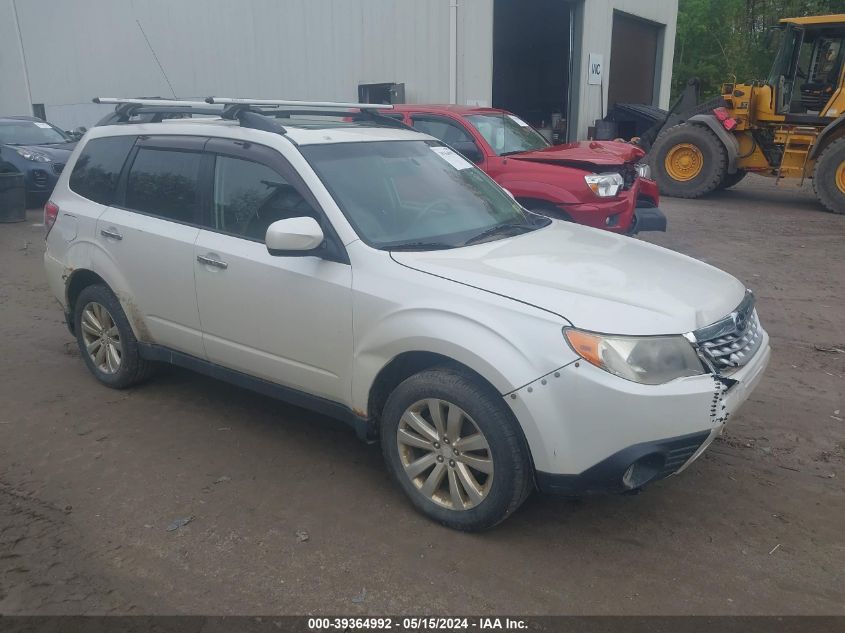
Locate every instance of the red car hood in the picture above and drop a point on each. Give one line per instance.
(585, 153)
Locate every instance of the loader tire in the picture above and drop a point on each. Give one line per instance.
(829, 177)
(688, 161)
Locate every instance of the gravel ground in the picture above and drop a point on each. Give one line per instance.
(90, 479)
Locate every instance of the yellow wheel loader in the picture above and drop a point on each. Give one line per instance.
(789, 126)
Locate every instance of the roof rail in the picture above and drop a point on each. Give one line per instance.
(296, 104)
(243, 109)
(249, 113)
(151, 101)
(151, 110)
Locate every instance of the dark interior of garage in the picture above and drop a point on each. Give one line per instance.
(531, 62)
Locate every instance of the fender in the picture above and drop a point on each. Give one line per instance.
(461, 338)
(728, 140)
(829, 133)
(551, 193)
(507, 363)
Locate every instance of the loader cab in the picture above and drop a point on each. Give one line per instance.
(807, 72)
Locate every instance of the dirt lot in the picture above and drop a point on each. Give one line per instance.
(90, 478)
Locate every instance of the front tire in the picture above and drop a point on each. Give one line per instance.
(455, 449)
(829, 177)
(688, 161)
(106, 341)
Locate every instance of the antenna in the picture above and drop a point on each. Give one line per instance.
(155, 57)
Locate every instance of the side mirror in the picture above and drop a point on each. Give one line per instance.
(294, 236)
(77, 132)
(468, 150)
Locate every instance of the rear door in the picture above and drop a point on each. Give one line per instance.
(285, 319)
(149, 233)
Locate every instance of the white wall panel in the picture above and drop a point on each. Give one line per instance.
(297, 49)
(14, 99)
(596, 36)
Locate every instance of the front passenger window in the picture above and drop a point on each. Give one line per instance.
(249, 197)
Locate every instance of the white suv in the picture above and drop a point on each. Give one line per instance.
(367, 271)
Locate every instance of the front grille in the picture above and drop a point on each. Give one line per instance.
(732, 341)
(58, 167)
(629, 175)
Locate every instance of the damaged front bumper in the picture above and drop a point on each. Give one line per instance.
(590, 431)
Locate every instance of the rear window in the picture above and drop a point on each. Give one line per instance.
(97, 170)
(165, 183)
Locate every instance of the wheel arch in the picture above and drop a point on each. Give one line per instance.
(81, 278)
(728, 140)
(831, 132)
(76, 282)
(405, 365)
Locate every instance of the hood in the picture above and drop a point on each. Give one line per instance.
(594, 279)
(59, 152)
(589, 154)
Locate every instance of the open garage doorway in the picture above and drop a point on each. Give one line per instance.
(634, 60)
(532, 53)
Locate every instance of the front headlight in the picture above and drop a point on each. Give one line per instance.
(29, 154)
(650, 360)
(605, 185)
(643, 170)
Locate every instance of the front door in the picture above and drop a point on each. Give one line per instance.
(284, 319)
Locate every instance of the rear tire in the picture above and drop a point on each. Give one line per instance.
(829, 177)
(488, 477)
(106, 341)
(688, 161)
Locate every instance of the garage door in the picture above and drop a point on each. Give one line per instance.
(633, 60)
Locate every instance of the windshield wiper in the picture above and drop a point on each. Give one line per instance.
(420, 246)
(499, 228)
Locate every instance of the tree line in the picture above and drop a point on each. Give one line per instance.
(717, 39)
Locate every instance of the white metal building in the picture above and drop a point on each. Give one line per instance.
(531, 56)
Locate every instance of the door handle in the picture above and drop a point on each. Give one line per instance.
(111, 234)
(212, 262)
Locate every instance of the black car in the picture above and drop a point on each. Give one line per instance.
(38, 150)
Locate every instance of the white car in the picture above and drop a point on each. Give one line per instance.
(370, 273)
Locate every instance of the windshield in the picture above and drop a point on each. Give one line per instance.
(419, 195)
(506, 133)
(30, 133)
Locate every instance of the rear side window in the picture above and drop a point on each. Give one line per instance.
(98, 167)
(165, 183)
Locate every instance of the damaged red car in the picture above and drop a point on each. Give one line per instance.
(598, 183)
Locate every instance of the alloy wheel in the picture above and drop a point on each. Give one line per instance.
(101, 338)
(444, 454)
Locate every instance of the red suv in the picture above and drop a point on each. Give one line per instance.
(597, 183)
